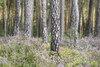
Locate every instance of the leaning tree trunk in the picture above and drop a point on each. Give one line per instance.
(17, 7)
(97, 24)
(55, 25)
(4, 17)
(28, 17)
(77, 21)
(44, 25)
(62, 20)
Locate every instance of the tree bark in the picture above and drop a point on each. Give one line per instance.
(44, 25)
(17, 7)
(28, 18)
(88, 24)
(55, 25)
(8, 17)
(4, 16)
(21, 20)
(76, 22)
(97, 23)
(62, 20)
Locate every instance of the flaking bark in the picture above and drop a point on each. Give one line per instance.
(55, 25)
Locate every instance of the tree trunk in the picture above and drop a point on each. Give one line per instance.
(65, 19)
(17, 7)
(28, 18)
(8, 17)
(88, 25)
(21, 20)
(62, 20)
(44, 25)
(71, 25)
(77, 21)
(4, 16)
(97, 24)
(72, 18)
(55, 25)
(37, 22)
(40, 17)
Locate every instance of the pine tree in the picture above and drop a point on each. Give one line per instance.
(28, 17)
(62, 20)
(97, 24)
(88, 25)
(44, 25)
(22, 10)
(4, 16)
(55, 25)
(17, 7)
(76, 22)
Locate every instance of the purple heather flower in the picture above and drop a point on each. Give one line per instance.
(60, 65)
(4, 44)
(48, 60)
(43, 57)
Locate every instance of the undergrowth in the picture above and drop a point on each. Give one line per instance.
(19, 52)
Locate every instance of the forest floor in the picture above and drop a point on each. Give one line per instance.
(17, 51)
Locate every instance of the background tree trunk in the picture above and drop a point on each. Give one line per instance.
(17, 7)
(88, 24)
(97, 24)
(28, 18)
(21, 20)
(62, 19)
(77, 21)
(44, 25)
(8, 17)
(72, 15)
(4, 16)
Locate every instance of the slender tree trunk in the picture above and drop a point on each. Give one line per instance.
(44, 25)
(66, 21)
(8, 18)
(21, 20)
(77, 21)
(72, 17)
(62, 20)
(97, 24)
(72, 21)
(28, 18)
(17, 7)
(13, 18)
(55, 25)
(69, 12)
(40, 17)
(4, 17)
(88, 25)
(83, 23)
(37, 22)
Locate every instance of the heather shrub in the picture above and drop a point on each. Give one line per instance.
(20, 52)
(17, 51)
